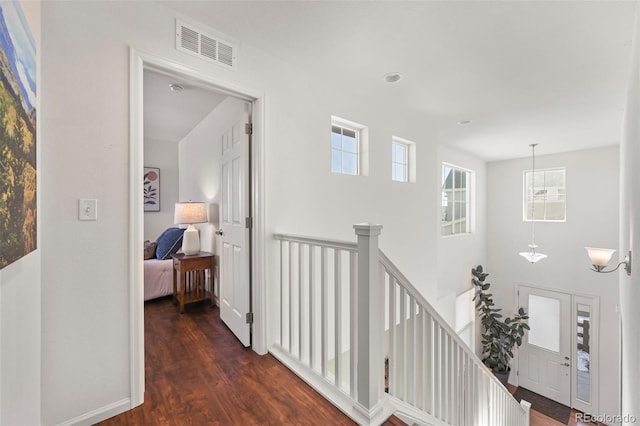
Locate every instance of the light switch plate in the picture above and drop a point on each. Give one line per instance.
(88, 209)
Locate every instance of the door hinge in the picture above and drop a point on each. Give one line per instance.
(249, 318)
(517, 372)
(248, 222)
(248, 128)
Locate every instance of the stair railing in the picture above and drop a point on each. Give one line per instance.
(346, 311)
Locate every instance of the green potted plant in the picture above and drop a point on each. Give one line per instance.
(498, 336)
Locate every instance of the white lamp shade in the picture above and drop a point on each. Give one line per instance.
(599, 256)
(190, 212)
(532, 256)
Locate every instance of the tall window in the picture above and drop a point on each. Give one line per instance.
(546, 202)
(399, 161)
(456, 195)
(345, 150)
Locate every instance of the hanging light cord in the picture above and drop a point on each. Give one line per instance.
(533, 196)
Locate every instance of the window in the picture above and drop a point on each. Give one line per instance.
(456, 195)
(399, 161)
(403, 160)
(349, 147)
(547, 201)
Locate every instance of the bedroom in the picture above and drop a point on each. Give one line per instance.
(184, 122)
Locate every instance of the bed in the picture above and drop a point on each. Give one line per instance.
(158, 264)
(158, 278)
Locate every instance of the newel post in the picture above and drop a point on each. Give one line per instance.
(370, 321)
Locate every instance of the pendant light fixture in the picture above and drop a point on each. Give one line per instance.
(531, 255)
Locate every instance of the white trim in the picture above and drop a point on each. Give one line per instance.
(99, 414)
(136, 230)
(138, 62)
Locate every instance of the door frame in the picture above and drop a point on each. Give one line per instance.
(138, 62)
(584, 298)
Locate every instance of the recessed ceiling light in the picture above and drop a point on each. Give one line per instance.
(176, 87)
(464, 122)
(392, 77)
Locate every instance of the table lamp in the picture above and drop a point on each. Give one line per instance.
(189, 213)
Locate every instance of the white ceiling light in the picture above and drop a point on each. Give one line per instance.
(531, 255)
(392, 77)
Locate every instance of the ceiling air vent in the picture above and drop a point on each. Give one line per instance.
(206, 46)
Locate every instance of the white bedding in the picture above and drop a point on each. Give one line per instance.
(158, 278)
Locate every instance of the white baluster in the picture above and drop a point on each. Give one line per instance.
(393, 339)
(353, 332)
(337, 270)
(300, 298)
(312, 307)
(324, 271)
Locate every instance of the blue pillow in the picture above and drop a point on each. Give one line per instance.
(169, 242)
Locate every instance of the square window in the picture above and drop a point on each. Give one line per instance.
(456, 200)
(544, 195)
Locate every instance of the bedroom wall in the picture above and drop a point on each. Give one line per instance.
(20, 297)
(162, 154)
(592, 220)
(85, 269)
(200, 157)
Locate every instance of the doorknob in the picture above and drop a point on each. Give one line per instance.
(566, 364)
(219, 232)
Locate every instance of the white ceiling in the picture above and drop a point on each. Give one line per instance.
(170, 115)
(554, 73)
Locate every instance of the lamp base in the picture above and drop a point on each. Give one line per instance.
(191, 241)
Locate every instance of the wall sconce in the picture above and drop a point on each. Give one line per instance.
(601, 256)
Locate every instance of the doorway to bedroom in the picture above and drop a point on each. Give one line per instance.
(243, 197)
(196, 149)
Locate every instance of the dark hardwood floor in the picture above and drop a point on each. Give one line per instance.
(198, 373)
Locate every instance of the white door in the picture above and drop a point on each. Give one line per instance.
(235, 287)
(544, 360)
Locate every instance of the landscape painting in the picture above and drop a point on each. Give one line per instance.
(18, 213)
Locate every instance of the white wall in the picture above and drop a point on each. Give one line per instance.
(164, 155)
(20, 297)
(200, 155)
(458, 254)
(592, 220)
(630, 237)
(85, 284)
(20, 341)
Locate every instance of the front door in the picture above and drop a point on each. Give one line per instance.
(235, 289)
(544, 360)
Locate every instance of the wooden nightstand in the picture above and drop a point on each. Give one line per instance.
(189, 278)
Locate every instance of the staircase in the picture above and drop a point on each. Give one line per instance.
(345, 309)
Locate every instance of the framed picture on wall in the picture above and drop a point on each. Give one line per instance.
(151, 191)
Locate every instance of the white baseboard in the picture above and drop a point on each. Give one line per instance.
(99, 414)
